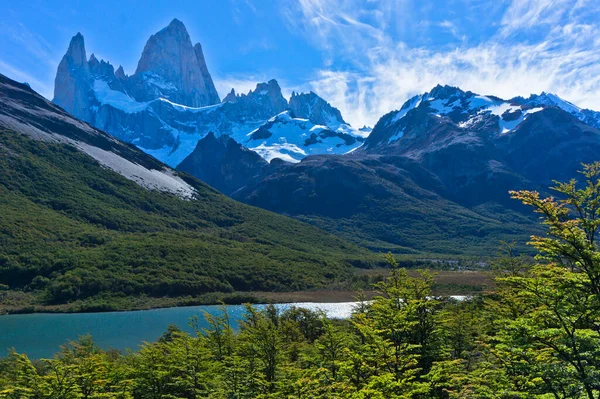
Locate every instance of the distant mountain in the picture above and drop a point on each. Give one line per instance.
(320, 112)
(87, 216)
(171, 102)
(434, 176)
(587, 116)
(289, 138)
(471, 140)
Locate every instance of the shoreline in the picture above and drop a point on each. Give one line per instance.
(257, 297)
(447, 283)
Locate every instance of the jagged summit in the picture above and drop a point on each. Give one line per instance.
(311, 106)
(170, 67)
(76, 50)
(175, 26)
(120, 73)
(231, 97)
(445, 91)
(267, 96)
(170, 103)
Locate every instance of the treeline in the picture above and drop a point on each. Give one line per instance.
(538, 336)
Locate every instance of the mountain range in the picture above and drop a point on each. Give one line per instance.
(430, 178)
(170, 102)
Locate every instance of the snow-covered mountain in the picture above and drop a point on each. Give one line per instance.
(311, 106)
(587, 116)
(289, 138)
(467, 111)
(170, 103)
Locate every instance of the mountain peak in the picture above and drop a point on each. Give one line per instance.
(71, 85)
(170, 67)
(175, 26)
(311, 106)
(271, 87)
(269, 94)
(549, 100)
(445, 91)
(213, 96)
(76, 51)
(231, 97)
(120, 73)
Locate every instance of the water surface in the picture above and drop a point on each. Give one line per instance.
(40, 335)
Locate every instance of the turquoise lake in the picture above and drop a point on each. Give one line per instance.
(40, 335)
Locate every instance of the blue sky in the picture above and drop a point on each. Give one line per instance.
(365, 57)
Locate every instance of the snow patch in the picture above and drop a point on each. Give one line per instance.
(287, 152)
(117, 99)
(396, 136)
(185, 108)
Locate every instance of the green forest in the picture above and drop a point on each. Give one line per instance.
(536, 336)
(73, 231)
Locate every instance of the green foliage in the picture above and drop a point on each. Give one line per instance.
(72, 230)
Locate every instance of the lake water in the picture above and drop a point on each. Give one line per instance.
(40, 335)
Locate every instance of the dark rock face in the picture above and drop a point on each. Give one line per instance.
(265, 98)
(213, 96)
(550, 145)
(311, 106)
(544, 99)
(223, 163)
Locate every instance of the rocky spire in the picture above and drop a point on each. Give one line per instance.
(170, 67)
(120, 73)
(231, 97)
(75, 55)
(72, 84)
(213, 96)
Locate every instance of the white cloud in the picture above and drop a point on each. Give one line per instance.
(561, 58)
(522, 14)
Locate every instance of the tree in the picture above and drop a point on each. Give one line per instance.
(553, 343)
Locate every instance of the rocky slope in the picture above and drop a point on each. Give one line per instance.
(224, 164)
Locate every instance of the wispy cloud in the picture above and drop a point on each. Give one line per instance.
(36, 45)
(526, 14)
(19, 75)
(538, 45)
